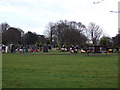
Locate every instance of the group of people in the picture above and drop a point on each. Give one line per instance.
(45, 48)
(72, 48)
(12, 48)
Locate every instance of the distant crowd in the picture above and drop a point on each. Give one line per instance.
(45, 48)
(34, 48)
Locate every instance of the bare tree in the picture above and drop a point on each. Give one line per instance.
(50, 31)
(94, 33)
(66, 32)
(4, 26)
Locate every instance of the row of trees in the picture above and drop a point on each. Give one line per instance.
(61, 32)
(12, 35)
(71, 32)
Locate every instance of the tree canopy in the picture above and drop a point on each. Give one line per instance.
(58, 33)
(66, 32)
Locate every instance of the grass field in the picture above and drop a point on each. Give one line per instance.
(59, 71)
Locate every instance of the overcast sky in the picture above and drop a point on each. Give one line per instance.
(34, 15)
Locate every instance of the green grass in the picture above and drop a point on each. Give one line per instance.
(59, 71)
